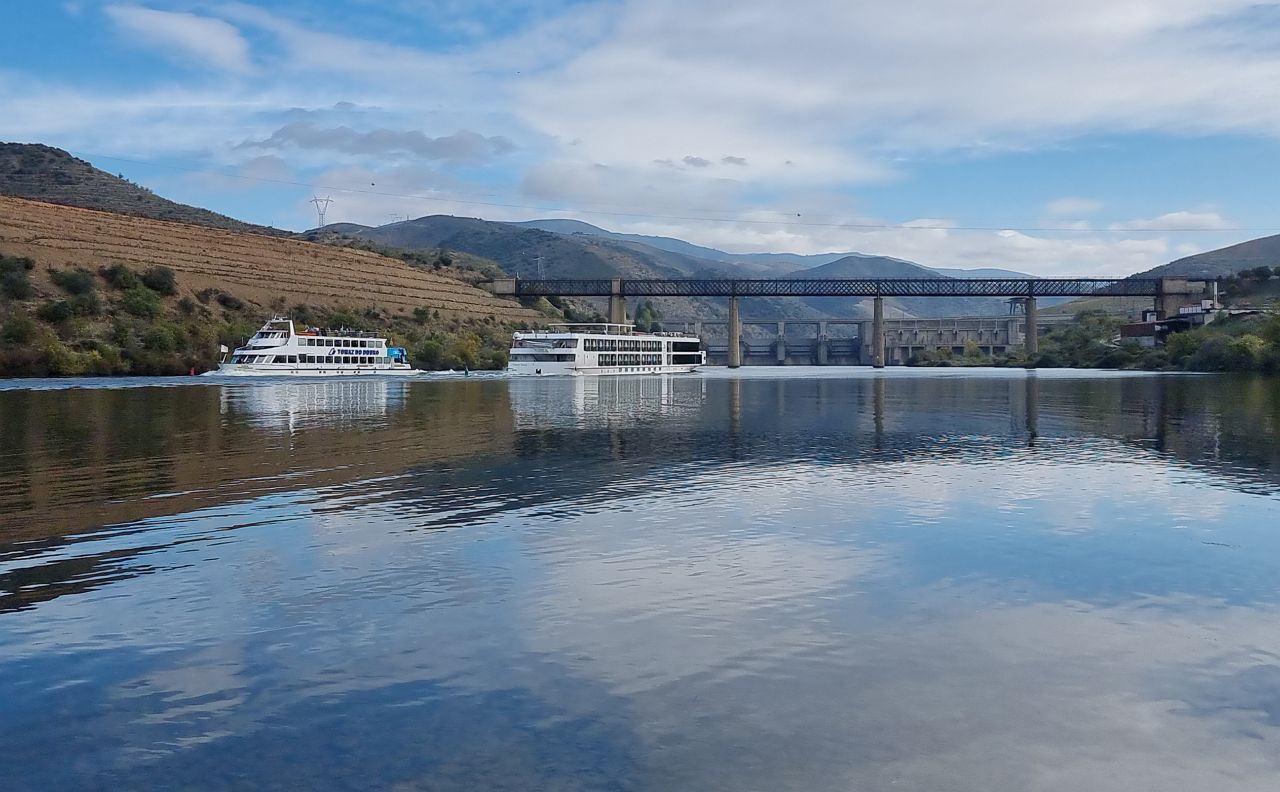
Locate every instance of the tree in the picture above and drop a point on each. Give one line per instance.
(119, 276)
(75, 281)
(55, 311)
(14, 279)
(141, 302)
(160, 280)
(648, 317)
(1260, 274)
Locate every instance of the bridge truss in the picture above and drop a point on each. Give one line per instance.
(841, 287)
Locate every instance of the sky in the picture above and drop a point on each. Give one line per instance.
(1087, 138)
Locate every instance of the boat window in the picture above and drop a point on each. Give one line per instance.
(566, 343)
(293, 358)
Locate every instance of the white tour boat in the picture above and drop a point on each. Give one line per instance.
(279, 349)
(594, 349)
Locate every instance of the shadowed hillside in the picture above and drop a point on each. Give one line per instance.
(1264, 252)
(44, 173)
(858, 266)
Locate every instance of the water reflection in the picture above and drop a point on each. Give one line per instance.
(295, 405)
(921, 581)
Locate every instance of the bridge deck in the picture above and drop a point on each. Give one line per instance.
(837, 287)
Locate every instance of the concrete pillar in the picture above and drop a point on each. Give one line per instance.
(782, 343)
(823, 345)
(1031, 343)
(617, 303)
(1173, 293)
(735, 334)
(877, 332)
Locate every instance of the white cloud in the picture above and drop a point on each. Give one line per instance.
(181, 36)
(749, 104)
(1176, 221)
(811, 80)
(1071, 207)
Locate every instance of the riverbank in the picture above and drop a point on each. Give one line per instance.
(1238, 344)
(118, 321)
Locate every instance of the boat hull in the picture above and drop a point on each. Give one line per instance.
(286, 370)
(568, 369)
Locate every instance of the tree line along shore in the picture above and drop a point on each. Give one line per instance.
(118, 320)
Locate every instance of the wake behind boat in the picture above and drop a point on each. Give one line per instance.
(279, 349)
(598, 349)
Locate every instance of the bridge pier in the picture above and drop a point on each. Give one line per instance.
(1031, 345)
(735, 334)
(781, 347)
(617, 303)
(1172, 294)
(877, 332)
(823, 345)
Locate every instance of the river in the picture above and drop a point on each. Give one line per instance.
(790, 579)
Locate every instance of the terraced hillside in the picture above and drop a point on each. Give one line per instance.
(45, 173)
(267, 271)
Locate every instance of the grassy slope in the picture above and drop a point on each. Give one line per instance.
(44, 173)
(225, 284)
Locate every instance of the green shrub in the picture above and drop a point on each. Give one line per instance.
(160, 280)
(120, 276)
(18, 329)
(141, 302)
(229, 301)
(85, 304)
(76, 281)
(161, 338)
(15, 280)
(55, 311)
(1181, 346)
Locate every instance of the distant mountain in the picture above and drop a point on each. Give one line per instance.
(573, 249)
(751, 264)
(44, 173)
(982, 272)
(1223, 261)
(860, 266)
(536, 253)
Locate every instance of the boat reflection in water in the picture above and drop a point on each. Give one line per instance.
(296, 404)
(556, 402)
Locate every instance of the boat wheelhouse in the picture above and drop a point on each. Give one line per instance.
(280, 349)
(597, 349)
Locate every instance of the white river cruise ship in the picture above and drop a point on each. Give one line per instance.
(279, 349)
(596, 349)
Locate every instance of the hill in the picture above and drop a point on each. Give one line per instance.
(265, 271)
(114, 293)
(1223, 261)
(536, 253)
(543, 249)
(753, 264)
(860, 266)
(44, 173)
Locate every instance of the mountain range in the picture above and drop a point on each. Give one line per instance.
(560, 248)
(574, 249)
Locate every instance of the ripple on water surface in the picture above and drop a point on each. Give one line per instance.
(803, 580)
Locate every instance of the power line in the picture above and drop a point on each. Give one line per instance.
(690, 218)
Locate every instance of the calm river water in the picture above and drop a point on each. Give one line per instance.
(792, 580)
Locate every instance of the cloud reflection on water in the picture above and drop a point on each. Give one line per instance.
(909, 582)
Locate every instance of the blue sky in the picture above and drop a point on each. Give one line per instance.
(1102, 136)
